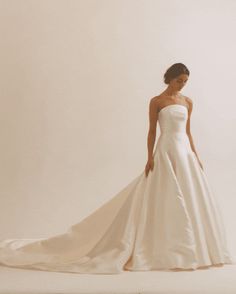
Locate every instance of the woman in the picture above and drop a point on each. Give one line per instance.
(165, 220)
(176, 77)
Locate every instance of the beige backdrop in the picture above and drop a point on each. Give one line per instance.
(76, 78)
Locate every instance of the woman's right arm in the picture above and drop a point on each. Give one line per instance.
(153, 117)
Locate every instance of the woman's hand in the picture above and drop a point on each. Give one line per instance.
(149, 166)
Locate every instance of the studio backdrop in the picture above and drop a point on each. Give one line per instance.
(76, 78)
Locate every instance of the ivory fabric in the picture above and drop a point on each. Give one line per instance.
(167, 220)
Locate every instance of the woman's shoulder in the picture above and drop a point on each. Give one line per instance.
(156, 99)
(189, 101)
(155, 102)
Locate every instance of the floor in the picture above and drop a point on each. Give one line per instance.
(221, 279)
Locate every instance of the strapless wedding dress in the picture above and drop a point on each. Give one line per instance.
(167, 220)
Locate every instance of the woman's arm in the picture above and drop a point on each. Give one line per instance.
(188, 131)
(153, 116)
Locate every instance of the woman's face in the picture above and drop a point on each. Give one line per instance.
(179, 82)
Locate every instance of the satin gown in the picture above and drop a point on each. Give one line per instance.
(167, 220)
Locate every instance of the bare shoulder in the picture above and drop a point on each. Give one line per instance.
(189, 102)
(154, 102)
(156, 99)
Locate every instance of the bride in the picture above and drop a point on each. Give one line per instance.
(166, 218)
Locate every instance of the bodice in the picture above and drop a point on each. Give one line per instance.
(173, 118)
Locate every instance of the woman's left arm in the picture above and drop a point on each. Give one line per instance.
(188, 131)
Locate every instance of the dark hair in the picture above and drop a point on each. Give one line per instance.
(174, 71)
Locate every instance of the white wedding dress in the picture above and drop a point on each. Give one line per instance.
(167, 220)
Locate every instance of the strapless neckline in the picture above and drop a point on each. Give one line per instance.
(171, 105)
